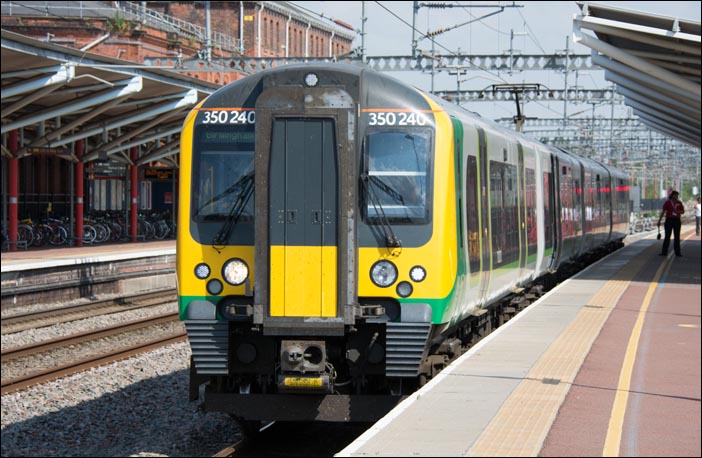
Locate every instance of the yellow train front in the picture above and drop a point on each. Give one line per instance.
(316, 249)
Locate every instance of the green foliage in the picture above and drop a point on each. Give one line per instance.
(119, 24)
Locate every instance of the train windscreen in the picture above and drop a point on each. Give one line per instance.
(398, 164)
(222, 181)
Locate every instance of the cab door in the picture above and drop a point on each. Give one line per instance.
(302, 191)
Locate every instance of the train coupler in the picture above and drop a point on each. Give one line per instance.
(304, 367)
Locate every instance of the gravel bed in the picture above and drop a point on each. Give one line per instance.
(10, 310)
(135, 407)
(31, 336)
(64, 355)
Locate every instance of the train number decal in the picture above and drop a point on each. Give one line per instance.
(402, 118)
(229, 117)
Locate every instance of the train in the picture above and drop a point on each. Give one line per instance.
(343, 236)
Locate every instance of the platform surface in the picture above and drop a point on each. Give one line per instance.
(54, 257)
(606, 364)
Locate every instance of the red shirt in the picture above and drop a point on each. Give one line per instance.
(673, 209)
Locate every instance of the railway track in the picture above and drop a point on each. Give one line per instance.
(43, 318)
(231, 450)
(61, 365)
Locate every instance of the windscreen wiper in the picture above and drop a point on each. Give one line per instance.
(387, 189)
(390, 239)
(237, 185)
(246, 183)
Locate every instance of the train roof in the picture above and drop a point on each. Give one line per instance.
(488, 124)
(370, 88)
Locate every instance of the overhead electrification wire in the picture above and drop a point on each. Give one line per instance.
(531, 33)
(485, 24)
(416, 30)
(422, 35)
(321, 15)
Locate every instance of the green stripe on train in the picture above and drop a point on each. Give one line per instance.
(184, 301)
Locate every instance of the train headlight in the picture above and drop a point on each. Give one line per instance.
(202, 271)
(214, 287)
(311, 79)
(417, 273)
(235, 271)
(383, 273)
(404, 289)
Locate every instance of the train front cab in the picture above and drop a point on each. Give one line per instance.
(301, 322)
(299, 297)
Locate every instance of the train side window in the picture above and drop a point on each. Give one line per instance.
(472, 213)
(504, 212)
(549, 207)
(531, 210)
(398, 165)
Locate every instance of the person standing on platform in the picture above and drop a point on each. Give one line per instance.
(672, 209)
(698, 216)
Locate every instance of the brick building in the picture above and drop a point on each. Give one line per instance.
(268, 29)
(134, 31)
(41, 181)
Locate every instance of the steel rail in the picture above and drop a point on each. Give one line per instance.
(36, 378)
(12, 324)
(82, 337)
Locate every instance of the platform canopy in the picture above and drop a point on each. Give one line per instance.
(654, 62)
(54, 96)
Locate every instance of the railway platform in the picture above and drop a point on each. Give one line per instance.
(605, 364)
(55, 257)
(75, 273)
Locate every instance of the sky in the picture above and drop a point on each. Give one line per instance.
(537, 27)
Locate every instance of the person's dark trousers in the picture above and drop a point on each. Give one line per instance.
(671, 225)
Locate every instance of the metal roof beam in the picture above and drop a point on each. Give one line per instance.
(694, 90)
(25, 100)
(642, 34)
(661, 103)
(131, 86)
(660, 111)
(679, 136)
(687, 73)
(26, 45)
(625, 75)
(668, 57)
(673, 100)
(171, 160)
(672, 128)
(185, 99)
(61, 75)
(133, 133)
(150, 138)
(670, 123)
(56, 133)
(165, 150)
